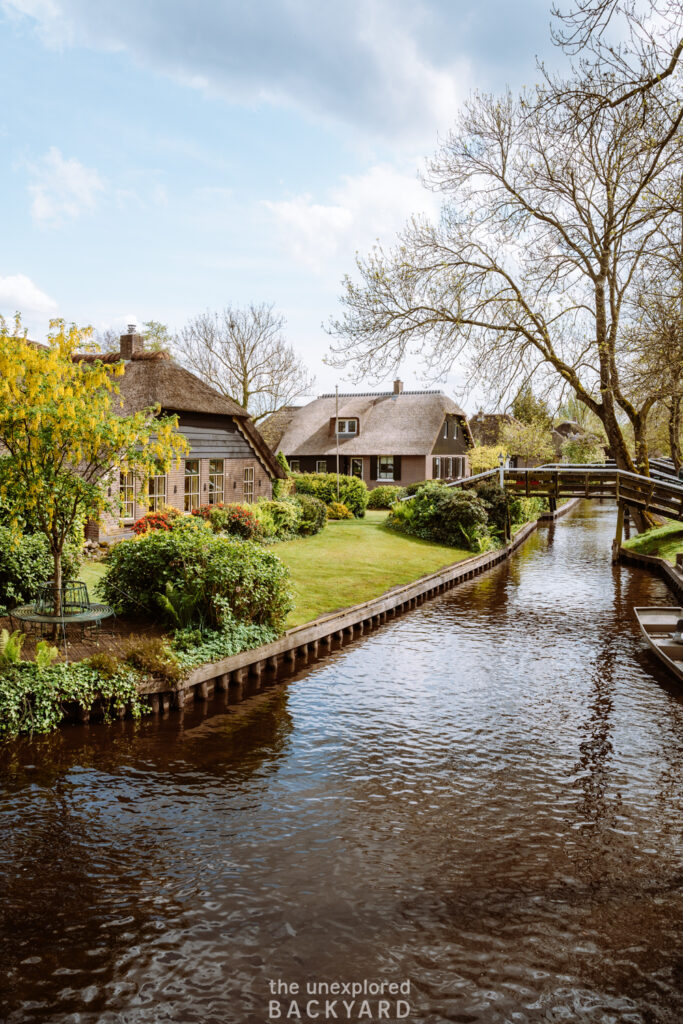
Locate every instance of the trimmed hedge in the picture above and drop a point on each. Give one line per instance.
(447, 515)
(313, 514)
(385, 496)
(352, 492)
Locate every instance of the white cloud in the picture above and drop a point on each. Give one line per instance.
(62, 188)
(364, 208)
(19, 293)
(366, 62)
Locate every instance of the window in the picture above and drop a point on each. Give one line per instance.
(127, 493)
(157, 492)
(436, 469)
(347, 426)
(448, 468)
(357, 468)
(191, 484)
(385, 467)
(248, 483)
(216, 481)
(445, 428)
(455, 429)
(294, 465)
(321, 466)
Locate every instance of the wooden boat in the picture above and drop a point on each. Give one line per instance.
(662, 627)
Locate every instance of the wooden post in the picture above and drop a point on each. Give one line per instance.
(616, 544)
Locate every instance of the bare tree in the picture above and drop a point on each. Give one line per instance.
(243, 354)
(547, 218)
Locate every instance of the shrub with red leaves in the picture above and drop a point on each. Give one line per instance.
(154, 521)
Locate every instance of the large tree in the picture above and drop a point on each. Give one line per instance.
(243, 354)
(548, 215)
(64, 438)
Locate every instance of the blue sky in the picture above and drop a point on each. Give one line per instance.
(162, 157)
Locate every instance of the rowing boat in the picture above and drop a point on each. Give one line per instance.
(662, 627)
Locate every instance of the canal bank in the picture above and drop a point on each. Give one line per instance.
(482, 797)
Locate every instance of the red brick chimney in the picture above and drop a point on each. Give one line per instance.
(398, 387)
(131, 343)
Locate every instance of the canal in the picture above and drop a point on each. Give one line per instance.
(481, 801)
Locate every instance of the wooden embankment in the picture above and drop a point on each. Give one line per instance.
(659, 566)
(246, 673)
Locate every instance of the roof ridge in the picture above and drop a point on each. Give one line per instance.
(377, 394)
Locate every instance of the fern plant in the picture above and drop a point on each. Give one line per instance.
(45, 655)
(10, 647)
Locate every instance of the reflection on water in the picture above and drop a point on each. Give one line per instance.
(482, 797)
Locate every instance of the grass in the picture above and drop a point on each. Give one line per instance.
(664, 541)
(354, 560)
(91, 573)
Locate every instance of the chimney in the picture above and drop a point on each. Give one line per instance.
(131, 343)
(398, 387)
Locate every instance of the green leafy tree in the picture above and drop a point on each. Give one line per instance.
(59, 425)
(528, 408)
(529, 441)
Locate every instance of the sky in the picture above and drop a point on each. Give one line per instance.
(165, 157)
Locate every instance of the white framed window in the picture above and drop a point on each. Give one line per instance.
(157, 492)
(455, 429)
(321, 466)
(436, 468)
(445, 428)
(216, 481)
(448, 468)
(248, 483)
(357, 468)
(294, 465)
(127, 493)
(385, 467)
(191, 484)
(347, 426)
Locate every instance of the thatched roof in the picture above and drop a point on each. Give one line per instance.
(274, 426)
(486, 426)
(400, 424)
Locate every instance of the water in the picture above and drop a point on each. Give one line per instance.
(482, 799)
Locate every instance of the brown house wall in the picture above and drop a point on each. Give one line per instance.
(112, 528)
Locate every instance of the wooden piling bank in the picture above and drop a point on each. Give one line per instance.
(247, 673)
(659, 566)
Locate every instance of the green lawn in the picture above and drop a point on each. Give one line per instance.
(91, 573)
(351, 561)
(354, 560)
(664, 541)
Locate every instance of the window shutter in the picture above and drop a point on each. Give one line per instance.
(397, 467)
(373, 467)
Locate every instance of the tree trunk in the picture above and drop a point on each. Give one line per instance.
(675, 432)
(57, 582)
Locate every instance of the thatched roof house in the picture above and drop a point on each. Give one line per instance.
(387, 437)
(228, 459)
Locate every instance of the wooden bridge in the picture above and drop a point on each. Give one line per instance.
(661, 495)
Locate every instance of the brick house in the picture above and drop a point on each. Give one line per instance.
(390, 437)
(228, 459)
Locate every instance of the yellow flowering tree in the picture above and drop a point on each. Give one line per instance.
(63, 437)
(485, 457)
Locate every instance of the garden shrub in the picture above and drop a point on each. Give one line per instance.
(353, 492)
(447, 515)
(26, 562)
(282, 488)
(153, 657)
(338, 510)
(313, 514)
(215, 569)
(414, 488)
(161, 519)
(266, 524)
(385, 495)
(497, 504)
(524, 510)
(233, 518)
(33, 698)
(286, 515)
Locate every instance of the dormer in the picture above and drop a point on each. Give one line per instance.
(345, 427)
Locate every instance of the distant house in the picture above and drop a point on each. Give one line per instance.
(487, 429)
(390, 437)
(228, 459)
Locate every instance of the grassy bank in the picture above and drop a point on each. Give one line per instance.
(354, 560)
(664, 542)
